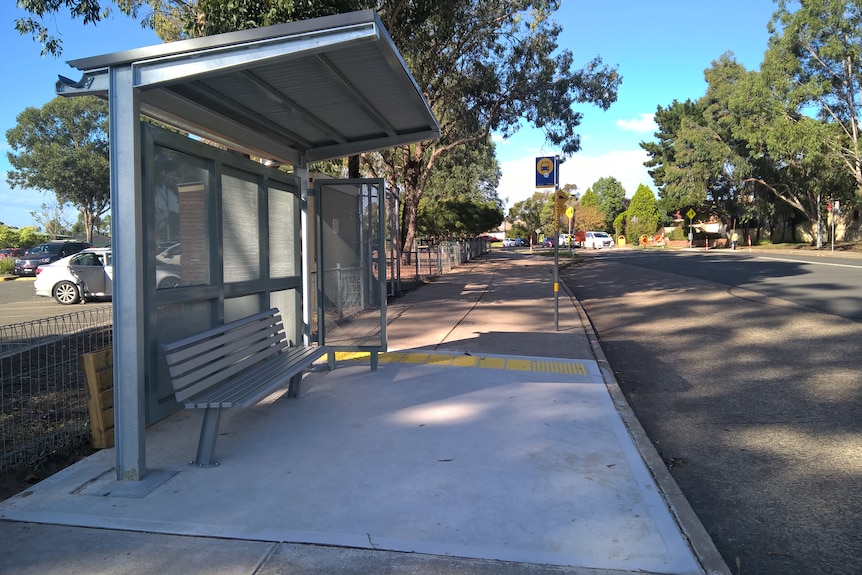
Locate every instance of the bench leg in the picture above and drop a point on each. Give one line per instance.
(295, 386)
(209, 432)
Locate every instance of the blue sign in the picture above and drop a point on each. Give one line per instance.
(546, 172)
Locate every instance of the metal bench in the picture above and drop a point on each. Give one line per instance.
(234, 365)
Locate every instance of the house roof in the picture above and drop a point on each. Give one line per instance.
(309, 90)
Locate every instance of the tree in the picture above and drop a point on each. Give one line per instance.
(821, 45)
(791, 155)
(461, 198)
(8, 236)
(642, 215)
(52, 219)
(530, 210)
(662, 155)
(63, 148)
(487, 65)
(589, 199)
(612, 198)
(588, 218)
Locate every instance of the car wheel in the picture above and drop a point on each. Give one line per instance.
(169, 282)
(66, 293)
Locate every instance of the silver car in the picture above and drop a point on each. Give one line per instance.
(89, 275)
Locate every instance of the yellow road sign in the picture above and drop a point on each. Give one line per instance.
(691, 213)
(570, 211)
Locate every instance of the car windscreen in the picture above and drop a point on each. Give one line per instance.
(45, 249)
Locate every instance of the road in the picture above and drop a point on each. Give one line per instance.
(744, 370)
(19, 303)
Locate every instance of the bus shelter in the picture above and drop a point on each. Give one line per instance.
(205, 227)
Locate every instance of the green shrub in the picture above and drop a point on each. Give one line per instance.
(677, 234)
(6, 265)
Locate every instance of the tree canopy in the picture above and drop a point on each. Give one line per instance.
(612, 198)
(63, 148)
(776, 142)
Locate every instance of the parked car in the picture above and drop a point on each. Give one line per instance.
(11, 252)
(598, 240)
(548, 242)
(88, 275)
(45, 254)
(513, 242)
(170, 254)
(520, 242)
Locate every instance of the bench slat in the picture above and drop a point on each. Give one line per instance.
(257, 330)
(257, 383)
(229, 361)
(219, 329)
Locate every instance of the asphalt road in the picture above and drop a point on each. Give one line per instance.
(19, 303)
(745, 373)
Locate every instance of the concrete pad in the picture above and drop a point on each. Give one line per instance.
(508, 458)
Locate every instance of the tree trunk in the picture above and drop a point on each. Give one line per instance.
(353, 167)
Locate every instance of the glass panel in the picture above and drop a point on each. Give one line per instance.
(241, 231)
(283, 241)
(180, 199)
(350, 236)
(239, 307)
(288, 303)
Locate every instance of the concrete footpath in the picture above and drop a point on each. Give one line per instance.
(487, 442)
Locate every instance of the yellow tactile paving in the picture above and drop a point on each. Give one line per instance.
(493, 362)
(465, 360)
(415, 358)
(519, 364)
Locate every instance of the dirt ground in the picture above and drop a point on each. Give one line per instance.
(15, 482)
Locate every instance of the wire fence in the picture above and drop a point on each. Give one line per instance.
(43, 390)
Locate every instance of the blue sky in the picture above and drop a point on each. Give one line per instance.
(661, 49)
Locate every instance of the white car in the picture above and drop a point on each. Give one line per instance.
(598, 240)
(88, 275)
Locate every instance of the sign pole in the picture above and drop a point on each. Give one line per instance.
(547, 176)
(691, 213)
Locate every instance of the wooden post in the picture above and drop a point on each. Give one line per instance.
(99, 369)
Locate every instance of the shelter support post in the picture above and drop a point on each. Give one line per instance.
(301, 172)
(127, 234)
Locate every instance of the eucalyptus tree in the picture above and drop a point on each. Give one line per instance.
(820, 44)
(62, 148)
(461, 196)
(792, 155)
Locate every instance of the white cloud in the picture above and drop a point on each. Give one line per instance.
(518, 181)
(644, 123)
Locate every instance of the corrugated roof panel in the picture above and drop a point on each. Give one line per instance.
(322, 88)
